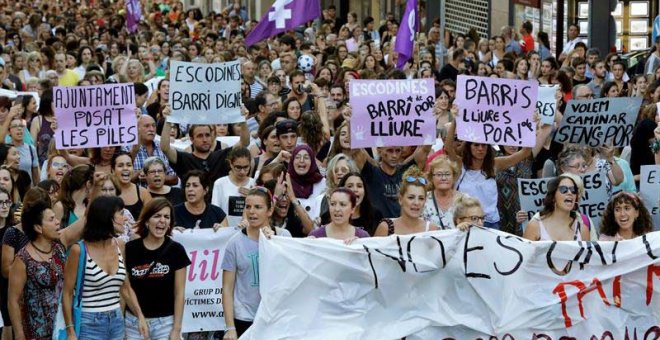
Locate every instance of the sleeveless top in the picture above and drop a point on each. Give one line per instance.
(101, 290)
(390, 226)
(475, 184)
(135, 208)
(545, 236)
(44, 137)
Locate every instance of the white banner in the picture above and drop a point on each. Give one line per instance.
(649, 189)
(202, 311)
(481, 284)
(547, 104)
(205, 93)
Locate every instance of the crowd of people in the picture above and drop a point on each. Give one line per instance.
(89, 230)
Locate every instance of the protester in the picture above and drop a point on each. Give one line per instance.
(440, 199)
(36, 277)
(559, 220)
(71, 204)
(240, 271)
(228, 191)
(341, 206)
(134, 196)
(195, 212)
(154, 170)
(156, 267)
(468, 212)
(625, 218)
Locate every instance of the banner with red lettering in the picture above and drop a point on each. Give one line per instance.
(480, 284)
(202, 311)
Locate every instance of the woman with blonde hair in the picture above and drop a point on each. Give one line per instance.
(33, 67)
(468, 212)
(440, 200)
(412, 198)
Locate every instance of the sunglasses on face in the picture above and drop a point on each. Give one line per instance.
(420, 180)
(563, 189)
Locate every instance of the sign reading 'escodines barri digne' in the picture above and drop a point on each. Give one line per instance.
(392, 112)
(95, 116)
(496, 111)
(205, 93)
(597, 122)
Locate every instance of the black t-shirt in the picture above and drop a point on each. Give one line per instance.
(211, 215)
(214, 164)
(448, 72)
(384, 189)
(175, 196)
(152, 275)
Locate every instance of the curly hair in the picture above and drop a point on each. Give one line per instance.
(311, 129)
(419, 179)
(553, 186)
(642, 225)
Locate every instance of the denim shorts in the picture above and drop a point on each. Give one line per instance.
(102, 325)
(159, 328)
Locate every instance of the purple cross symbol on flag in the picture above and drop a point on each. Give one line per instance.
(406, 35)
(133, 14)
(283, 16)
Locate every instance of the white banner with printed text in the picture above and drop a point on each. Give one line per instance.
(202, 311)
(481, 284)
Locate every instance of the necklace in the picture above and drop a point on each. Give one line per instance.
(41, 251)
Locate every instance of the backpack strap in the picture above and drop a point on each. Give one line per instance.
(585, 220)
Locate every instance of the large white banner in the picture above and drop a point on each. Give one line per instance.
(205, 93)
(481, 284)
(202, 311)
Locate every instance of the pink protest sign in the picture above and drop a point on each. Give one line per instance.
(496, 111)
(392, 112)
(95, 116)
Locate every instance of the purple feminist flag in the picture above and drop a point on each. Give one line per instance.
(284, 15)
(406, 34)
(133, 14)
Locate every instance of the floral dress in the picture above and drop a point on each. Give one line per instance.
(41, 293)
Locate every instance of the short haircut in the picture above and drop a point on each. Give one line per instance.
(32, 216)
(203, 178)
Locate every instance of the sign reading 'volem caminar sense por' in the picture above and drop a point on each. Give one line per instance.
(392, 112)
(95, 116)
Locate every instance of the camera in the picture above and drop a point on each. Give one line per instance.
(303, 88)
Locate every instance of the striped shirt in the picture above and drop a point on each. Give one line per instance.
(100, 290)
(255, 88)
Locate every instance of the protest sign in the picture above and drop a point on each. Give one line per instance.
(450, 284)
(15, 94)
(594, 201)
(205, 93)
(649, 189)
(496, 111)
(95, 116)
(547, 104)
(202, 310)
(392, 112)
(152, 84)
(597, 122)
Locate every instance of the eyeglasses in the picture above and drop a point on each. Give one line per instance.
(302, 158)
(58, 165)
(156, 172)
(442, 174)
(565, 189)
(474, 219)
(420, 180)
(241, 168)
(6, 203)
(578, 166)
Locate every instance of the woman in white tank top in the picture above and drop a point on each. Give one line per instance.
(104, 276)
(412, 198)
(560, 219)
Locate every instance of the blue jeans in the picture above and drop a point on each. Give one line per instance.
(102, 325)
(159, 328)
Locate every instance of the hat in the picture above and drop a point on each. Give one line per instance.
(286, 126)
(349, 63)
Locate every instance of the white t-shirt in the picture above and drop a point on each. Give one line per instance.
(226, 196)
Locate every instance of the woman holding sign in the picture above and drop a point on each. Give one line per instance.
(560, 219)
(240, 265)
(625, 218)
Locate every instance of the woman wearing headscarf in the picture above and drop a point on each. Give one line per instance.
(306, 180)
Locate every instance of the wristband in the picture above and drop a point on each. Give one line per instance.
(230, 329)
(69, 326)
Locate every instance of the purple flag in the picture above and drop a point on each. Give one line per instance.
(283, 16)
(133, 14)
(406, 34)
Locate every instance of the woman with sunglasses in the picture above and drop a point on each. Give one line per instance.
(229, 191)
(240, 276)
(412, 198)
(560, 219)
(56, 168)
(625, 218)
